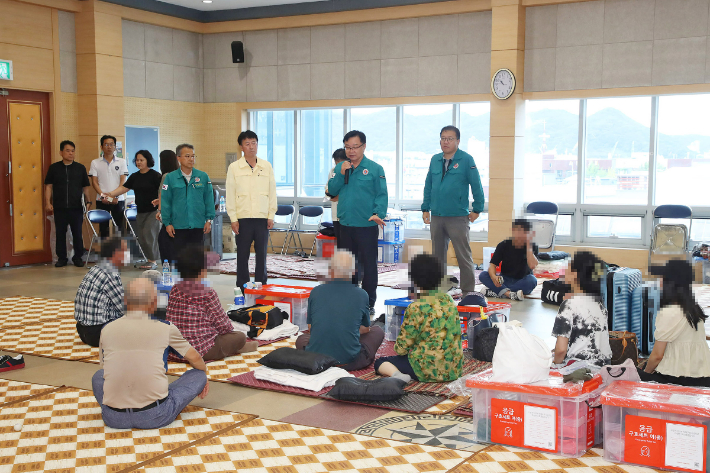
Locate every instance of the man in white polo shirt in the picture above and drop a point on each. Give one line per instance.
(107, 173)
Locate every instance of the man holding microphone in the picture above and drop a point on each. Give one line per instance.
(361, 188)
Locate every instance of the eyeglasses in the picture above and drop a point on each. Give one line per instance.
(448, 139)
(353, 148)
(188, 156)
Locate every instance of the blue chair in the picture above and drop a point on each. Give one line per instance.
(282, 211)
(309, 211)
(670, 239)
(544, 229)
(96, 217)
(130, 213)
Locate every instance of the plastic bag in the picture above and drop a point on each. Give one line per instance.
(520, 357)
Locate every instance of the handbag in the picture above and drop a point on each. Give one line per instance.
(624, 346)
(485, 344)
(554, 291)
(258, 317)
(623, 372)
(520, 357)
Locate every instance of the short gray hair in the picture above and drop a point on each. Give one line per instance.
(140, 292)
(342, 264)
(184, 145)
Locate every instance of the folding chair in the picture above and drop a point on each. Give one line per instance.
(544, 230)
(131, 213)
(96, 217)
(282, 211)
(307, 211)
(670, 239)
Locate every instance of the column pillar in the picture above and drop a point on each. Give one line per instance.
(99, 67)
(507, 130)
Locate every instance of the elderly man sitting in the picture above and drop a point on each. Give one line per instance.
(99, 299)
(339, 318)
(132, 386)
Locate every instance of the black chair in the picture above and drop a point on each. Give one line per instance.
(309, 211)
(282, 211)
(670, 239)
(544, 229)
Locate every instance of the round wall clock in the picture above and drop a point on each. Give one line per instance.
(503, 84)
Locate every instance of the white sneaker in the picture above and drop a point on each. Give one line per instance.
(516, 296)
(490, 293)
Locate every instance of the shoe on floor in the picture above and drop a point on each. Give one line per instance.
(249, 347)
(60, 263)
(8, 363)
(490, 293)
(517, 296)
(372, 313)
(78, 263)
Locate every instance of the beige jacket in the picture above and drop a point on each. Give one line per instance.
(251, 193)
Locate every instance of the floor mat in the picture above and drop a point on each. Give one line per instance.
(290, 267)
(269, 446)
(21, 311)
(465, 410)
(12, 392)
(52, 339)
(63, 430)
(497, 458)
(448, 405)
(411, 402)
(399, 278)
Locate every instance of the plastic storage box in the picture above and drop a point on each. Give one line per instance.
(393, 231)
(656, 425)
(394, 316)
(501, 310)
(325, 246)
(389, 251)
(292, 299)
(550, 415)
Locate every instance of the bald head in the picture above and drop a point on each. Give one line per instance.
(342, 264)
(141, 295)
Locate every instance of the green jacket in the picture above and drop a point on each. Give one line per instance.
(186, 205)
(365, 194)
(446, 195)
(431, 337)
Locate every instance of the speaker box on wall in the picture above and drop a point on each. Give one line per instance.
(237, 52)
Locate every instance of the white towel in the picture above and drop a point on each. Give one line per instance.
(286, 329)
(314, 382)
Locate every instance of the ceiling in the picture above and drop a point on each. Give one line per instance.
(232, 4)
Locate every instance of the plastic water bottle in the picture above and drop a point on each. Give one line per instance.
(167, 276)
(222, 204)
(238, 297)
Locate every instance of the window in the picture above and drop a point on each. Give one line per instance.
(683, 156)
(380, 128)
(276, 141)
(551, 155)
(616, 159)
(481, 223)
(422, 124)
(475, 128)
(321, 134)
(613, 227)
(564, 225)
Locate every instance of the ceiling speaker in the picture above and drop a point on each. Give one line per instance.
(237, 52)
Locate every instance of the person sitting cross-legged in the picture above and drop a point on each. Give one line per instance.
(132, 385)
(195, 309)
(428, 346)
(517, 258)
(339, 318)
(99, 299)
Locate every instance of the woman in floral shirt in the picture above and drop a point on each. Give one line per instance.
(429, 344)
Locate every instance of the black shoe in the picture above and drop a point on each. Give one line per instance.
(78, 263)
(372, 313)
(61, 263)
(8, 363)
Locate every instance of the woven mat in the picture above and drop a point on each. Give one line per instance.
(265, 446)
(464, 411)
(399, 278)
(497, 459)
(63, 431)
(20, 311)
(447, 405)
(52, 339)
(414, 403)
(289, 267)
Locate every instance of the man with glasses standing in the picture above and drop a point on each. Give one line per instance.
(445, 205)
(107, 173)
(361, 188)
(187, 201)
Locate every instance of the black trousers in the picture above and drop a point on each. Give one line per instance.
(362, 242)
(251, 230)
(187, 237)
(116, 211)
(677, 380)
(89, 334)
(165, 245)
(74, 219)
(336, 229)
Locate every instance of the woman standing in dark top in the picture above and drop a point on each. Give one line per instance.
(146, 185)
(168, 164)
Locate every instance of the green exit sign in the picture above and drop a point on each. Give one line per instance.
(5, 69)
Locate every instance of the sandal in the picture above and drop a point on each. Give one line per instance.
(151, 266)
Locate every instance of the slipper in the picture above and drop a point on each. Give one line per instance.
(150, 266)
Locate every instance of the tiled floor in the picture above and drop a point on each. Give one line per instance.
(61, 283)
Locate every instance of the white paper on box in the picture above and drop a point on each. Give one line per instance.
(539, 427)
(684, 446)
(285, 306)
(685, 400)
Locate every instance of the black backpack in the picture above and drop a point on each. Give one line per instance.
(259, 317)
(485, 345)
(554, 291)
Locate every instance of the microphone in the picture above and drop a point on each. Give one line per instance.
(348, 172)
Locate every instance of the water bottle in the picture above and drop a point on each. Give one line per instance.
(222, 204)
(174, 277)
(167, 277)
(238, 297)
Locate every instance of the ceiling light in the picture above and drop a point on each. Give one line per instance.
(206, 1)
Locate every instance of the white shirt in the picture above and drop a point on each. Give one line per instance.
(687, 352)
(186, 176)
(109, 174)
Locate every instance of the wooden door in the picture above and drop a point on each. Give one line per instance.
(24, 159)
